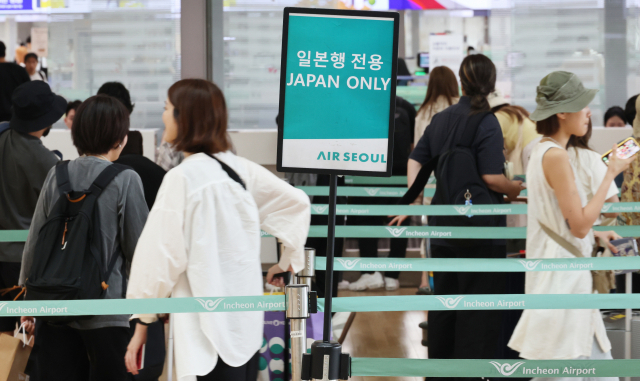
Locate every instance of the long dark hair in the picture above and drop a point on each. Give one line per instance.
(478, 79)
(442, 82)
(581, 141)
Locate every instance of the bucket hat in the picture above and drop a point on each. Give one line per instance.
(35, 107)
(496, 99)
(558, 92)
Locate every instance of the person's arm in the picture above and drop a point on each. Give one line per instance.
(500, 184)
(285, 212)
(612, 199)
(490, 156)
(560, 176)
(132, 213)
(160, 255)
(39, 219)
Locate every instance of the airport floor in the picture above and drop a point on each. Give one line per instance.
(386, 334)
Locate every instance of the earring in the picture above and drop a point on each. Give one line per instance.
(119, 145)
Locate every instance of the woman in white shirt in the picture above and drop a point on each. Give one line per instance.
(559, 216)
(202, 239)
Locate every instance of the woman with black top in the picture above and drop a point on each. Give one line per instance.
(467, 334)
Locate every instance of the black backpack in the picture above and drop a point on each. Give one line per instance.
(68, 263)
(457, 179)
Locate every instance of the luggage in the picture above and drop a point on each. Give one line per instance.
(614, 322)
(68, 262)
(273, 351)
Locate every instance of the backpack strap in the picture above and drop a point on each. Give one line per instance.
(105, 177)
(62, 177)
(4, 126)
(471, 129)
(229, 171)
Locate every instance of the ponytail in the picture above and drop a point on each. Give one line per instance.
(478, 79)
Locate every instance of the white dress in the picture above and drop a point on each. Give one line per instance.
(590, 171)
(556, 334)
(202, 239)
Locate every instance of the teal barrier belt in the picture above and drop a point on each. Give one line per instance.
(369, 191)
(449, 210)
(483, 302)
(360, 191)
(368, 180)
(142, 306)
(350, 304)
(13, 235)
(390, 367)
(443, 232)
(480, 264)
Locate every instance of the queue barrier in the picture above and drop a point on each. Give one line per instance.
(451, 210)
(344, 304)
(480, 264)
(369, 191)
(400, 367)
(442, 232)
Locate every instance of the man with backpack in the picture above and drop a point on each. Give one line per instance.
(85, 228)
(24, 164)
(464, 145)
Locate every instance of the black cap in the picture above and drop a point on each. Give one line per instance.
(35, 107)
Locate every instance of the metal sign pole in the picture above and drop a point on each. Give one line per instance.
(331, 241)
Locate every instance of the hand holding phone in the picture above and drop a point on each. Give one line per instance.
(625, 150)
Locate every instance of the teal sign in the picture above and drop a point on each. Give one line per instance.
(337, 91)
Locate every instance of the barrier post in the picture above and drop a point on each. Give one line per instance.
(305, 276)
(297, 304)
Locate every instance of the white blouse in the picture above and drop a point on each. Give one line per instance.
(555, 334)
(202, 239)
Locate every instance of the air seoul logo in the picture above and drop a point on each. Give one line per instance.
(320, 209)
(396, 232)
(210, 305)
(530, 265)
(2, 306)
(348, 263)
(462, 209)
(506, 369)
(606, 208)
(372, 191)
(450, 302)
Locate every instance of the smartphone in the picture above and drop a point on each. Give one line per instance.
(626, 149)
(140, 356)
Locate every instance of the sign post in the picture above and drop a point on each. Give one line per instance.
(337, 112)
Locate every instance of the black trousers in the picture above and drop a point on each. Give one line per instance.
(224, 372)
(369, 246)
(9, 275)
(455, 334)
(65, 353)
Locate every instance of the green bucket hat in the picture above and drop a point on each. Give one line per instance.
(558, 92)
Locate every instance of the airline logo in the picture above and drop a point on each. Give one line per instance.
(210, 305)
(372, 191)
(506, 369)
(450, 303)
(396, 232)
(320, 209)
(530, 265)
(462, 209)
(348, 263)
